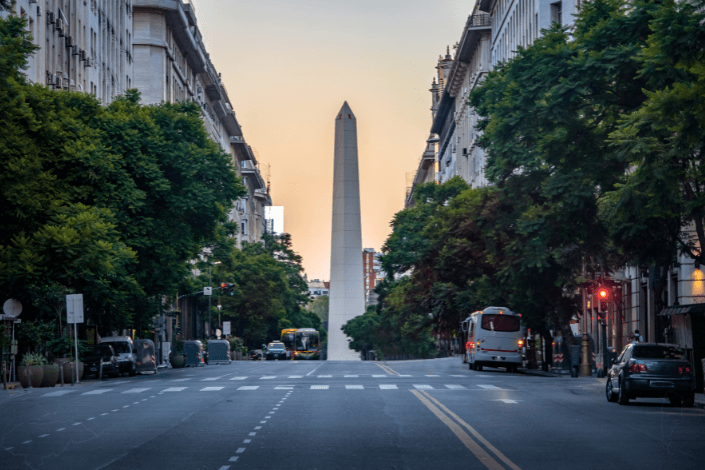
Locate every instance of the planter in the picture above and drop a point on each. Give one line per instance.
(51, 375)
(70, 368)
(177, 361)
(36, 373)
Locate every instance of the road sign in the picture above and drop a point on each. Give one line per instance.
(207, 291)
(226, 328)
(74, 308)
(12, 307)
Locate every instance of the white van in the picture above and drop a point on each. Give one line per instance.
(126, 352)
(494, 338)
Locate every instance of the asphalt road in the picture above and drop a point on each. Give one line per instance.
(335, 415)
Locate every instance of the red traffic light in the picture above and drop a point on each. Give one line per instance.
(223, 285)
(603, 293)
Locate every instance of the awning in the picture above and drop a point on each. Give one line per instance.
(683, 309)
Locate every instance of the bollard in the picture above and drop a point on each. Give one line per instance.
(100, 370)
(61, 372)
(29, 377)
(585, 365)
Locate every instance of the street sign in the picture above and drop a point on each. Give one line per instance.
(226, 328)
(217, 333)
(12, 307)
(207, 291)
(74, 308)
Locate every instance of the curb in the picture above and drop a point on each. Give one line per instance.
(535, 372)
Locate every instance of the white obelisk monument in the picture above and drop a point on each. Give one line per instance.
(347, 293)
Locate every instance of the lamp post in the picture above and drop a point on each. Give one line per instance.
(210, 327)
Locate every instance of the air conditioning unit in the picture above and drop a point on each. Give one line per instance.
(50, 17)
(59, 26)
(57, 83)
(69, 41)
(82, 55)
(39, 11)
(32, 1)
(89, 62)
(50, 79)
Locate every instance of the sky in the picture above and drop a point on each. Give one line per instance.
(288, 66)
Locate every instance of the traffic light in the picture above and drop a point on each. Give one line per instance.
(227, 288)
(223, 288)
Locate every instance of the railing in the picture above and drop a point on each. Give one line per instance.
(479, 20)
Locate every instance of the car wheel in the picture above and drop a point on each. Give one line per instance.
(623, 398)
(675, 400)
(611, 396)
(478, 367)
(688, 400)
(133, 371)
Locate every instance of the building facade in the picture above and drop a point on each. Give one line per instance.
(84, 45)
(274, 218)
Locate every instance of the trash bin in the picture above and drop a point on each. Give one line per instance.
(575, 350)
(218, 351)
(703, 361)
(194, 353)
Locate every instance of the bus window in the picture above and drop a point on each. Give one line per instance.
(500, 322)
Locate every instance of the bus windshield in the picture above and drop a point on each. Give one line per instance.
(288, 338)
(503, 323)
(307, 341)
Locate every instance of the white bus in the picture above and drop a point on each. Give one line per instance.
(493, 337)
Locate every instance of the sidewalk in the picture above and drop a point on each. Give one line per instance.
(699, 397)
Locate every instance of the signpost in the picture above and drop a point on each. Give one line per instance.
(74, 314)
(226, 328)
(12, 309)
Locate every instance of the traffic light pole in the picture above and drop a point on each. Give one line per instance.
(209, 304)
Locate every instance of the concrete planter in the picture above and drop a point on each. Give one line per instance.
(36, 373)
(51, 375)
(177, 361)
(70, 368)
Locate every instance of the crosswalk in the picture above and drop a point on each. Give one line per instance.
(345, 376)
(386, 386)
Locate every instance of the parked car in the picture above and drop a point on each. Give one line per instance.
(101, 353)
(276, 350)
(126, 352)
(651, 370)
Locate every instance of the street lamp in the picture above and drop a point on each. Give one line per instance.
(210, 327)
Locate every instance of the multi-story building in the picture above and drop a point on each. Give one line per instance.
(274, 218)
(84, 45)
(373, 274)
(318, 288)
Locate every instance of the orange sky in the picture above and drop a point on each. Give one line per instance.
(289, 65)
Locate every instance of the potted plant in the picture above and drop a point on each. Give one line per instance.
(235, 348)
(31, 370)
(51, 375)
(178, 359)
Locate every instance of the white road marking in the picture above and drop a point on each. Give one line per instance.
(58, 394)
(403, 375)
(488, 387)
(505, 400)
(238, 378)
(44, 435)
(423, 387)
(433, 376)
(351, 376)
(380, 376)
(253, 434)
(232, 459)
(136, 403)
(262, 422)
(325, 376)
(455, 387)
(250, 387)
(315, 369)
(180, 380)
(388, 387)
(27, 442)
(224, 467)
(103, 414)
(296, 376)
(258, 427)
(76, 424)
(60, 429)
(126, 406)
(458, 376)
(268, 377)
(136, 390)
(9, 448)
(212, 378)
(354, 387)
(240, 450)
(247, 441)
(174, 389)
(113, 411)
(211, 389)
(90, 419)
(98, 392)
(319, 387)
(283, 387)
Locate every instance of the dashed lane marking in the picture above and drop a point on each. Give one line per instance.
(455, 387)
(211, 389)
(324, 376)
(489, 387)
(268, 377)
(354, 387)
(238, 378)
(388, 387)
(351, 376)
(505, 400)
(58, 394)
(240, 450)
(284, 387)
(249, 387)
(212, 378)
(296, 376)
(319, 387)
(423, 387)
(44, 435)
(98, 392)
(174, 389)
(181, 380)
(380, 375)
(136, 390)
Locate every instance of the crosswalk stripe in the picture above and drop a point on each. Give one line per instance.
(423, 387)
(388, 387)
(354, 387)
(319, 387)
(98, 392)
(383, 375)
(58, 394)
(296, 376)
(136, 390)
(456, 387)
(238, 378)
(212, 378)
(174, 389)
(505, 400)
(488, 387)
(400, 375)
(211, 389)
(249, 387)
(284, 387)
(433, 376)
(268, 377)
(458, 376)
(351, 376)
(324, 376)
(180, 380)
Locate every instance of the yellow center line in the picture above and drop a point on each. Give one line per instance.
(476, 434)
(387, 369)
(481, 454)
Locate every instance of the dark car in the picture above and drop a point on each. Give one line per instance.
(651, 370)
(101, 353)
(276, 350)
(256, 354)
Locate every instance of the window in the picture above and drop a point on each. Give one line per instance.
(557, 12)
(498, 322)
(244, 228)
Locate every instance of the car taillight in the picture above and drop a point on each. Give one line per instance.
(469, 345)
(684, 370)
(638, 368)
(520, 343)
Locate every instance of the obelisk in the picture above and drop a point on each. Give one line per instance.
(347, 293)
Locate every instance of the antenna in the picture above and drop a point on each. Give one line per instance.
(269, 171)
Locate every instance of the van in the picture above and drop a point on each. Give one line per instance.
(145, 356)
(494, 338)
(126, 353)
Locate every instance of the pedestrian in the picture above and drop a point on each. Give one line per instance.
(631, 337)
(637, 337)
